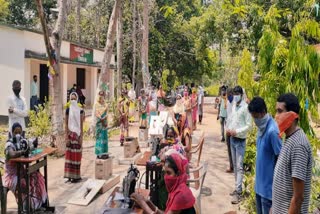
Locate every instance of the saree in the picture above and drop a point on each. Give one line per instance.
(101, 146)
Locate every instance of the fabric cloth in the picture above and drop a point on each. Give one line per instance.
(178, 107)
(229, 153)
(33, 102)
(263, 205)
(37, 191)
(20, 111)
(34, 89)
(229, 112)
(238, 148)
(240, 120)
(222, 125)
(101, 146)
(73, 153)
(268, 148)
(295, 161)
(285, 120)
(194, 104)
(74, 119)
(180, 196)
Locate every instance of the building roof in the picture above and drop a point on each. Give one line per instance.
(34, 55)
(40, 32)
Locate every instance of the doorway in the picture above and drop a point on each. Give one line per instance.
(44, 83)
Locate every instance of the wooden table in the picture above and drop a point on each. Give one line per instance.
(111, 204)
(144, 159)
(41, 161)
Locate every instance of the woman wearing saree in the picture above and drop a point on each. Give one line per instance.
(188, 109)
(194, 106)
(184, 134)
(101, 148)
(37, 191)
(180, 198)
(123, 107)
(161, 95)
(74, 128)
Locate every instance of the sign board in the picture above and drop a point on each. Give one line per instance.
(81, 54)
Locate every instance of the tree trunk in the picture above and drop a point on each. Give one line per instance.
(119, 51)
(145, 44)
(53, 51)
(78, 21)
(134, 41)
(105, 69)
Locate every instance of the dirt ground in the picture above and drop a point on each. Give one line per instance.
(217, 185)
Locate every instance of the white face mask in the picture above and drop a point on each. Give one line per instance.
(237, 98)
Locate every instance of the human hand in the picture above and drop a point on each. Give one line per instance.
(137, 198)
(10, 110)
(233, 133)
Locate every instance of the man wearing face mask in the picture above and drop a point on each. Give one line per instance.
(293, 171)
(17, 107)
(222, 112)
(268, 149)
(238, 127)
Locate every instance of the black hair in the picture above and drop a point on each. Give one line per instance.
(172, 129)
(172, 164)
(74, 85)
(16, 82)
(16, 125)
(291, 102)
(238, 89)
(192, 85)
(257, 105)
(34, 76)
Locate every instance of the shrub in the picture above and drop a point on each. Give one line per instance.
(40, 122)
(212, 90)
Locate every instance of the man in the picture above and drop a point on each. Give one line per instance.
(238, 127)
(200, 103)
(229, 113)
(82, 98)
(268, 149)
(34, 93)
(292, 176)
(222, 111)
(17, 107)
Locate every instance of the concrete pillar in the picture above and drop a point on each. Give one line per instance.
(94, 83)
(26, 81)
(64, 78)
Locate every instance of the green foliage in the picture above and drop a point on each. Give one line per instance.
(4, 9)
(245, 75)
(40, 122)
(164, 80)
(212, 90)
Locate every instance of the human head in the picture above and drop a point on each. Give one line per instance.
(75, 86)
(142, 92)
(178, 97)
(194, 90)
(257, 108)
(73, 96)
(35, 78)
(16, 87)
(237, 94)
(192, 85)
(185, 93)
(171, 133)
(287, 102)
(16, 129)
(170, 167)
(102, 95)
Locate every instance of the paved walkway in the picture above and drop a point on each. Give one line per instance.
(218, 184)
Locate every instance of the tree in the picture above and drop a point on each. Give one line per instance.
(53, 51)
(119, 51)
(134, 41)
(78, 21)
(4, 10)
(145, 45)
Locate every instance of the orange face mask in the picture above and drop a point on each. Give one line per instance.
(285, 120)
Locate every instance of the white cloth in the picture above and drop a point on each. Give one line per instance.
(74, 122)
(132, 94)
(34, 89)
(240, 120)
(200, 95)
(178, 107)
(20, 111)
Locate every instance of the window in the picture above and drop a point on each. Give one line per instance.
(81, 78)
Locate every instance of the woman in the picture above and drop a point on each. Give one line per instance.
(171, 142)
(37, 190)
(194, 106)
(101, 148)
(180, 199)
(161, 95)
(188, 108)
(178, 108)
(74, 134)
(185, 134)
(123, 107)
(143, 107)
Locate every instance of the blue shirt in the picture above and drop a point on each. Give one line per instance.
(268, 148)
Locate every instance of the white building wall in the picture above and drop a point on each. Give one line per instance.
(11, 63)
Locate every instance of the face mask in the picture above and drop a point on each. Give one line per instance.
(16, 91)
(73, 102)
(237, 98)
(185, 94)
(261, 123)
(171, 182)
(285, 120)
(17, 137)
(230, 98)
(170, 140)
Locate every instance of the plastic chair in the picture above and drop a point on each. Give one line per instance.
(198, 182)
(197, 149)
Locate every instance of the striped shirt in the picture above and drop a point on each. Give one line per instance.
(295, 161)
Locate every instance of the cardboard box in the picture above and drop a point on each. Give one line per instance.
(143, 134)
(130, 147)
(103, 168)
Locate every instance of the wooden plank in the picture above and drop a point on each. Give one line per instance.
(111, 182)
(37, 166)
(87, 192)
(45, 152)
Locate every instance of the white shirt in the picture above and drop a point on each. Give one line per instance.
(34, 89)
(240, 120)
(20, 111)
(200, 95)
